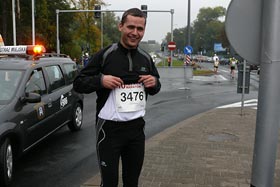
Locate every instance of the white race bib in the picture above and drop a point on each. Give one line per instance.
(130, 98)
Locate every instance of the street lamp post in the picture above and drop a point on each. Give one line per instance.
(14, 22)
(102, 26)
(189, 23)
(88, 42)
(171, 52)
(33, 23)
(102, 16)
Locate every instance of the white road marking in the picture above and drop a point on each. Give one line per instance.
(224, 70)
(210, 78)
(253, 103)
(222, 77)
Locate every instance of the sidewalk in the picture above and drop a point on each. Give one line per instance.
(212, 149)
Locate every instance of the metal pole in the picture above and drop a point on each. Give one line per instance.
(171, 52)
(172, 13)
(57, 32)
(188, 41)
(88, 42)
(267, 126)
(101, 30)
(14, 23)
(33, 23)
(243, 86)
(189, 22)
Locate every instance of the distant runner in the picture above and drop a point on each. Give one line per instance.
(216, 63)
(233, 63)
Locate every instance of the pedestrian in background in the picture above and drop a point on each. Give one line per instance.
(79, 64)
(85, 59)
(122, 75)
(169, 61)
(232, 63)
(216, 63)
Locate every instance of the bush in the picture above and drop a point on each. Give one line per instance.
(203, 72)
(175, 63)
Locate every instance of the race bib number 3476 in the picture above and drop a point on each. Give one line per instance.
(130, 98)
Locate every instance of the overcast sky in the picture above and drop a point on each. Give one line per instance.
(159, 23)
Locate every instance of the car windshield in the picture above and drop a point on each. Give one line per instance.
(9, 81)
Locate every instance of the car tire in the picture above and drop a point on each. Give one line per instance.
(77, 118)
(6, 163)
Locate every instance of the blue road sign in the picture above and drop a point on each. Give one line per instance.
(188, 50)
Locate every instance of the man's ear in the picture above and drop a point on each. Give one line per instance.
(120, 25)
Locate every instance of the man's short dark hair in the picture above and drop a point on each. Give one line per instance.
(133, 12)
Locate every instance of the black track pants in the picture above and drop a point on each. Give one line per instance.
(125, 140)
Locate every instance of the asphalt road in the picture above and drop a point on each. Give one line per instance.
(69, 159)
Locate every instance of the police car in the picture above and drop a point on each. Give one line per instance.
(36, 99)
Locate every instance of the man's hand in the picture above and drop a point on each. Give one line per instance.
(148, 80)
(111, 82)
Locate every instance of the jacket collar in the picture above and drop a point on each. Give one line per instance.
(125, 50)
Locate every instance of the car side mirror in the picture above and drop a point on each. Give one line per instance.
(32, 97)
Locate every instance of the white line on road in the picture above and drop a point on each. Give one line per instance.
(222, 77)
(224, 70)
(210, 78)
(253, 103)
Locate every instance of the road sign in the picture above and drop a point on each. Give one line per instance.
(171, 46)
(243, 28)
(243, 84)
(188, 50)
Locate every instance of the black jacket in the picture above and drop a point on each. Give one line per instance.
(117, 63)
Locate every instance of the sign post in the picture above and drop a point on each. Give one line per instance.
(187, 51)
(171, 46)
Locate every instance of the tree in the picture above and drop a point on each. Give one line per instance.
(208, 28)
(87, 29)
(4, 27)
(77, 31)
(45, 21)
(179, 37)
(43, 26)
(110, 28)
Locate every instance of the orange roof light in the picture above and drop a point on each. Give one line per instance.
(35, 49)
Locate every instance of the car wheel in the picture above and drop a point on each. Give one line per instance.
(77, 118)
(6, 163)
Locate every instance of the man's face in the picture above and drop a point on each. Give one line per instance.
(132, 31)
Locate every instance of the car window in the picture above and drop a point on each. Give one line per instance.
(36, 83)
(71, 72)
(9, 81)
(55, 77)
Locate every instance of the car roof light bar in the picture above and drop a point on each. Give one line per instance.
(22, 50)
